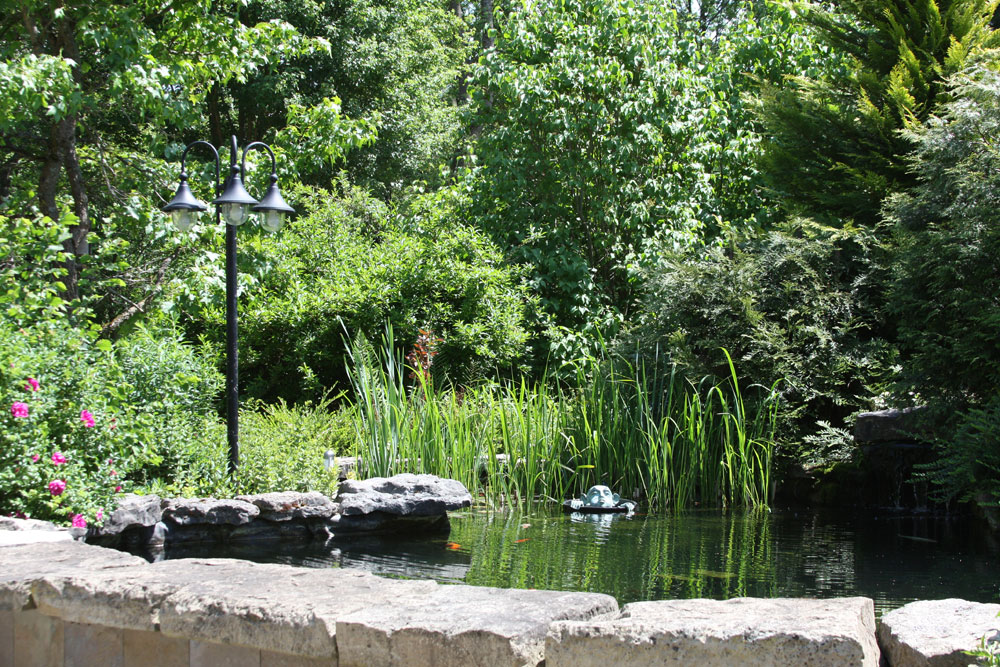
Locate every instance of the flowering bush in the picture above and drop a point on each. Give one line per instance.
(88, 420)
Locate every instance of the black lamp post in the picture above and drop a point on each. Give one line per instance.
(233, 203)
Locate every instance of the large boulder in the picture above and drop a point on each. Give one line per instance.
(209, 511)
(937, 633)
(722, 633)
(402, 495)
(132, 512)
(288, 505)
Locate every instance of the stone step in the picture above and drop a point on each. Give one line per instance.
(721, 633)
(937, 632)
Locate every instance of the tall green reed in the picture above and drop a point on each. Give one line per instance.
(641, 428)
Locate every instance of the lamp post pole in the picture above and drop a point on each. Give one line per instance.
(234, 203)
(232, 346)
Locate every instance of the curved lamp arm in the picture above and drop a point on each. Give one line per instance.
(272, 207)
(215, 154)
(184, 207)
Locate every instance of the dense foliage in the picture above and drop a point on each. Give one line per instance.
(514, 188)
(787, 308)
(945, 292)
(836, 150)
(85, 421)
(351, 265)
(610, 132)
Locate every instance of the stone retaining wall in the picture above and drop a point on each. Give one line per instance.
(69, 603)
(64, 602)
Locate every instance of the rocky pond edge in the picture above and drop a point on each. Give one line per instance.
(107, 600)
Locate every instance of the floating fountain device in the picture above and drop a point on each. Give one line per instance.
(600, 500)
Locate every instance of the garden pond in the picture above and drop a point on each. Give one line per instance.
(891, 558)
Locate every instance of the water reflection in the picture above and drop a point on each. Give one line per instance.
(892, 559)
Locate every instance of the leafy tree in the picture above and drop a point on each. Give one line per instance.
(836, 151)
(81, 84)
(949, 235)
(583, 157)
(390, 65)
(349, 265)
(611, 132)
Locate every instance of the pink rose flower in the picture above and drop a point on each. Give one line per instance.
(112, 473)
(56, 487)
(58, 459)
(100, 515)
(19, 409)
(118, 489)
(32, 385)
(35, 457)
(79, 521)
(87, 418)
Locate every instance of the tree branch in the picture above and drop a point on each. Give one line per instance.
(140, 306)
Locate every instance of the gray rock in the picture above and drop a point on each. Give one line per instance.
(462, 625)
(402, 495)
(10, 523)
(132, 511)
(936, 632)
(714, 633)
(16, 537)
(271, 607)
(262, 529)
(889, 426)
(195, 511)
(22, 566)
(287, 505)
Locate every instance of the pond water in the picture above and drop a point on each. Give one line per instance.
(890, 558)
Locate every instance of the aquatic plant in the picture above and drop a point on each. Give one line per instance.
(641, 429)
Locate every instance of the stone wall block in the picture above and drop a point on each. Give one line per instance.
(6, 637)
(88, 645)
(142, 649)
(38, 640)
(21, 566)
(713, 633)
(210, 654)
(461, 625)
(131, 601)
(936, 632)
(270, 607)
(273, 659)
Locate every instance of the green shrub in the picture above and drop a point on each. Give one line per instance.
(969, 467)
(85, 420)
(787, 308)
(281, 449)
(352, 262)
(945, 293)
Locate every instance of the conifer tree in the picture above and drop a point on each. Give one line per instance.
(836, 149)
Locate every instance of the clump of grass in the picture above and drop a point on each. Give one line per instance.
(646, 431)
